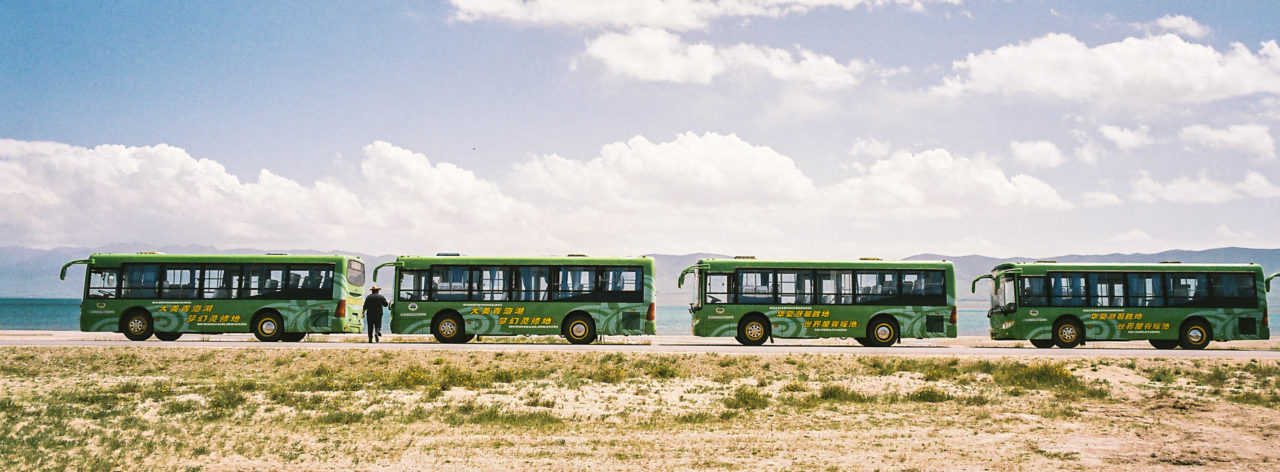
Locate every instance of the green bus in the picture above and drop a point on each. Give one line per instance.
(872, 301)
(1169, 304)
(276, 297)
(457, 298)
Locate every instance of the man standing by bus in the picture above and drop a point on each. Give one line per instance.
(373, 305)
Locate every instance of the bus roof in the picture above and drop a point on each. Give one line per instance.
(1039, 268)
(731, 264)
(156, 258)
(424, 261)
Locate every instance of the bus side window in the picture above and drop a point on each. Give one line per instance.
(141, 280)
(717, 290)
(103, 283)
(1031, 291)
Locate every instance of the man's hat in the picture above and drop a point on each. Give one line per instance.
(376, 288)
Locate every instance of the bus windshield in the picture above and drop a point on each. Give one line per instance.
(1003, 293)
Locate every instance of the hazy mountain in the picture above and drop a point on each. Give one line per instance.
(33, 273)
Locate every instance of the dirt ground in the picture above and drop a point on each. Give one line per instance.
(131, 408)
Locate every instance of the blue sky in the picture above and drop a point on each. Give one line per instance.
(817, 128)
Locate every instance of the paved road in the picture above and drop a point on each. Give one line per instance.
(963, 346)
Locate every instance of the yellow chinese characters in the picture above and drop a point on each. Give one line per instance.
(213, 318)
(185, 308)
(497, 310)
(803, 314)
(1143, 326)
(830, 324)
(1115, 316)
(524, 320)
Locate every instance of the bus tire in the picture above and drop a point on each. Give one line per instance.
(292, 337)
(882, 331)
(268, 327)
(168, 336)
(753, 330)
(449, 328)
(1195, 333)
(1067, 333)
(579, 329)
(137, 325)
(863, 341)
(1164, 343)
(1042, 343)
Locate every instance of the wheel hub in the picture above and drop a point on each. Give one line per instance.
(448, 329)
(578, 329)
(268, 327)
(755, 330)
(883, 332)
(137, 325)
(1067, 333)
(1195, 335)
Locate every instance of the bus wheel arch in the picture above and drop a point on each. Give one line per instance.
(1068, 332)
(754, 329)
(267, 325)
(137, 324)
(1194, 333)
(579, 327)
(883, 330)
(448, 327)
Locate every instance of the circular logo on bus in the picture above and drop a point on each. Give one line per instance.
(1034, 312)
(719, 310)
(413, 307)
(102, 304)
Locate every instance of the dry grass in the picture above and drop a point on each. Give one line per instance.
(213, 409)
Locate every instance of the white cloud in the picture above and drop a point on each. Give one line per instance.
(68, 195)
(935, 183)
(676, 15)
(1128, 139)
(1249, 139)
(869, 147)
(1157, 70)
(659, 56)
(1100, 199)
(1202, 189)
(1037, 153)
(1131, 236)
(1225, 232)
(1177, 24)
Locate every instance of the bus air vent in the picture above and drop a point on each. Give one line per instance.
(870, 259)
(447, 254)
(1248, 326)
(577, 255)
(744, 257)
(1170, 262)
(1047, 261)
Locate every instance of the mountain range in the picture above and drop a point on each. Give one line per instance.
(33, 273)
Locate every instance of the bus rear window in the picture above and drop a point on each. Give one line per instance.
(355, 273)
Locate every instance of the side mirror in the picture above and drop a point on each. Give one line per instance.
(1009, 308)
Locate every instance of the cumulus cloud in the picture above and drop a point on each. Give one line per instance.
(675, 15)
(68, 195)
(1100, 199)
(1202, 189)
(1157, 70)
(1254, 140)
(656, 55)
(1128, 139)
(1037, 153)
(1177, 24)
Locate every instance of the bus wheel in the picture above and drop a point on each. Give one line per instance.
(1195, 334)
(863, 341)
(753, 331)
(580, 329)
(1067, 333)
(137, 325)
(1164, 343)
(1042, 343)
(168, 336)
(448, 329)
(268, 328)
(292, 337)
(882, 331)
